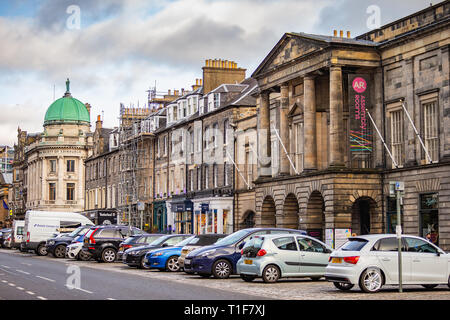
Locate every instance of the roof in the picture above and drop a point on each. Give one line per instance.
(331, 39)
(67, 109)
(6, 178)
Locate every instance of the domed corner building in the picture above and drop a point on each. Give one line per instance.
(55, 161)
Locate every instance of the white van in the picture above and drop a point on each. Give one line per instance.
(42, 225)
(17, 233)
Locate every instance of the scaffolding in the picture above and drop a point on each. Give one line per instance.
(135, 165)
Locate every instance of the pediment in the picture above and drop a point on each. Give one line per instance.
(290, 47)
(295, 109)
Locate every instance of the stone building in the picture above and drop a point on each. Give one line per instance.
(51, 167)
(5, 187)
(322, 165)
(102, 175)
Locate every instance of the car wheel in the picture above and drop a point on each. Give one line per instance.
(172, 264)
(371, 280)
(109, 255)
(83, 256)
(60, 251)
(41, 250)
(142, 264)
(204, 275)
(222, 269)
(247, 278)
(343, 286)
(429, 286)
(271, 274)
(22, 248)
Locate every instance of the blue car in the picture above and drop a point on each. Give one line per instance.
(220, 258)
(168, 258)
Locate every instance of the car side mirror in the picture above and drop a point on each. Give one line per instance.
(165, 245)
(241, 245)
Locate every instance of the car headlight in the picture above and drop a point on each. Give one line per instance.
(207, 253)
(157, 254)
(136, 253)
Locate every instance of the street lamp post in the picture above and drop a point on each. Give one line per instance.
(397, 188)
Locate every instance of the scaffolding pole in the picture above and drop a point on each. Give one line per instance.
(284, 148)
(239, 171)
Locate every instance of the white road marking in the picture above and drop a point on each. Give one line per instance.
(27, 264)
(42, 298)
(44, 278)
(4, 281)
(11, 284)
(20, 288)
(21, 271)
(110, 299)
(30, 292)
(71, 288)
(6, 267)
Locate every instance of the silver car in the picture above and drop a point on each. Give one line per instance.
(283, 255)
(371, 261)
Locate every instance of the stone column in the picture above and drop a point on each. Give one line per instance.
(310, 144)
(264, 147)
(336, 119)
(43, 180)
(284, 130)
(60, 184)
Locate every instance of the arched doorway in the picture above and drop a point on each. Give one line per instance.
(290, 212)
(268, 213)
(364, 217)
(249, 220)
(314, 222)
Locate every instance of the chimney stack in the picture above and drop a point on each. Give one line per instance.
(348, 34)
(334, 33)
(98, 124)
(341, 33)
(88, 107)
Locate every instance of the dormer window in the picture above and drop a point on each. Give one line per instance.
(216, 100)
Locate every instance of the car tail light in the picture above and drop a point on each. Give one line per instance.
(91, 239)
(127, 246)
(242, 252)
(28, 236)
(329, 259)
(261, 253)
(352, 260)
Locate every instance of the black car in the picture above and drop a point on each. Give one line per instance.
(3, 235)
(137, 241)
(134, 257)
(103, 242)
(57, 245)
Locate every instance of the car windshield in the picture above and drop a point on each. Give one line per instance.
(132, 239)
(185, 241)
(76, 231)
(254, 243)
(232, 238)
(355, 244)
(159, 241)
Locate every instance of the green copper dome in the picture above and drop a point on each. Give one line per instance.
(67, 109)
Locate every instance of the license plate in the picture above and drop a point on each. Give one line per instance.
(187, 261)
(248, 261)
(336, 260)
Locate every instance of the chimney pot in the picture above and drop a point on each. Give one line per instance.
(335, 33)
(348, 34)
(341, 33)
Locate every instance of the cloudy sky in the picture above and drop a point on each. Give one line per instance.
(114, 50)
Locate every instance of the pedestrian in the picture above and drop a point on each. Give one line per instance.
(428, 237)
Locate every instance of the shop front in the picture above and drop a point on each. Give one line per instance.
(212, 215)
(160, 217)
(183, 216)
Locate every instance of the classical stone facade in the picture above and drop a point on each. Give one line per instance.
(322, 165)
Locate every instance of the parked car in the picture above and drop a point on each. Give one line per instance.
(137, 241)
(74, 249)
(8, 240)
(57, 245)
(134, 257)
(371, 261)
(102, 242)
(220, 258)
(3, 234)
(200, 241)
(168, 258)
(275, 256)
(41, 225)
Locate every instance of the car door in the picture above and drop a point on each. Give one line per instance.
(313, 256)
(386, 253)
(426, 265)
(287, 255)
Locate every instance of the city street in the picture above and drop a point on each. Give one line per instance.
(27, 276)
